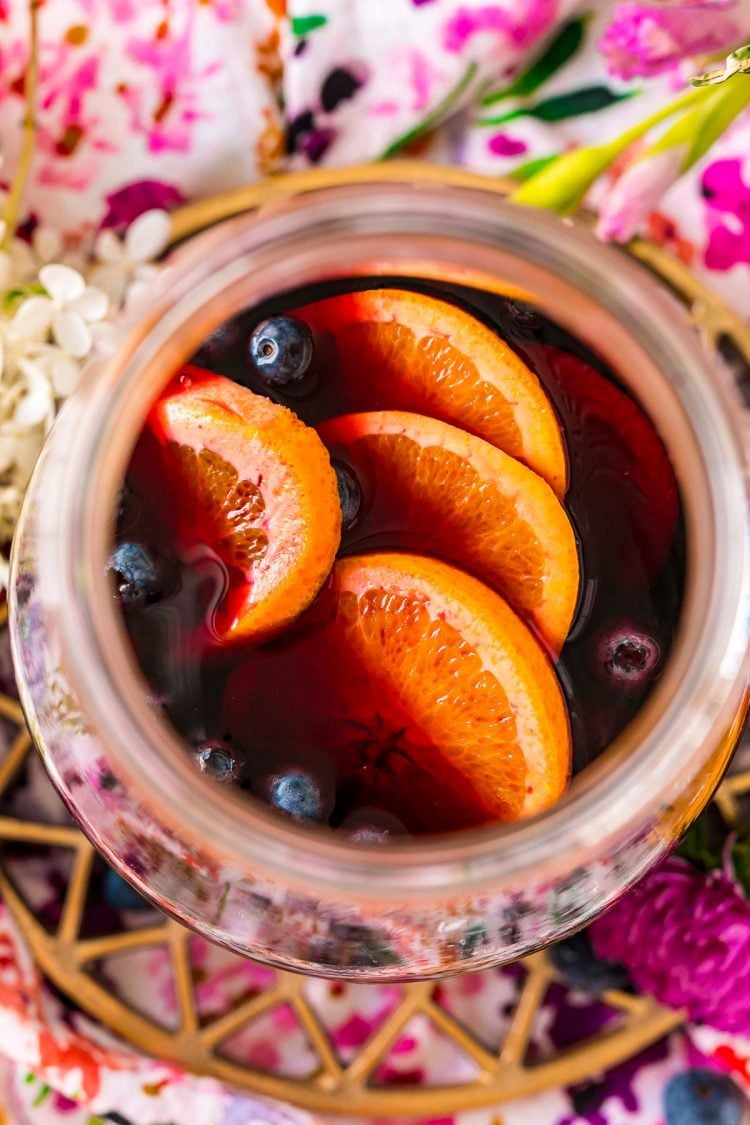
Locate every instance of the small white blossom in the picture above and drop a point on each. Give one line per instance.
(66, 313)
(125, 265)
(52, 299)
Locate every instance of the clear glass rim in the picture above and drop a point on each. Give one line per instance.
(209, 280)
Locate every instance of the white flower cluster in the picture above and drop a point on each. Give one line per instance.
(53, 303)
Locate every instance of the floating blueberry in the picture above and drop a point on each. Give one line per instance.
(119, 894)
(626, 656)
(580, 967)
(350, 494)
(139, 577)
(223, 346)
(702, 1097)
(523, 319)
(297, 794)
(217, 761)
(281, 352)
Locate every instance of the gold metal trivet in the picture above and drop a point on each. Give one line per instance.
(68, 960)
(343, 1087)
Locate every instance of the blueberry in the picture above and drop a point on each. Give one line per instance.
(350, 494)
(224, 344)
(217, 761)
(120, 895)
(281, 352)
(579, 966)
(372, 826)
(702, 1097)
(626, 656)
(140, 577)
(523, 319)
(297, 794)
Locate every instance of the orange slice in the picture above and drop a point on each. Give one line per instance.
(433, 699)
(406, 351)
(245, 477)
(427, 486)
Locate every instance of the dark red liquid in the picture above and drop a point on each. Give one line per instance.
(623, 504)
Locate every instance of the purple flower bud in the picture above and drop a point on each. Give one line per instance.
(685, 939)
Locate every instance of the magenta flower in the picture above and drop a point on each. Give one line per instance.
(130, 201)
(727, 198)
(637, 192)
(648, 39)
(685, 939)
(518, 26)
(501, 144)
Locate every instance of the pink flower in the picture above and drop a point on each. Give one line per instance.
(727, 198)
(519, 26)
(501, 144)
(130, 201)
(646, 39)
(353, 1033)
(685, 939)
(632, 198)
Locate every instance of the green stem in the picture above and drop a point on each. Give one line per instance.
(435, 116)
(697, 130)
(562, 184)
(713, 120)
(685, 101)
(28, 127)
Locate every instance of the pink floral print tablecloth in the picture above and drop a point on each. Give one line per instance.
(147, 103)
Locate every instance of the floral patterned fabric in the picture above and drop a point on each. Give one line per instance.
(134, 98)
(145, 103)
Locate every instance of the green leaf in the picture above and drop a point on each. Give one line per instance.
(44, 1093)
(587, 99)
(530, 167)
(698, 129)
(559, 51)
(740, 858)
(561, 184)
(701, 845)
(728, 102)
(12, 298)
(435, 116)
(303, 25)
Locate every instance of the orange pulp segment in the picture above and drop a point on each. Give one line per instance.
(431, 696)
(406, 351)
(248, 479)
(434, 488)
